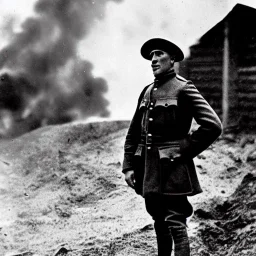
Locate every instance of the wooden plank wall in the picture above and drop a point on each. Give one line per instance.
(246, 85)
(204, 68)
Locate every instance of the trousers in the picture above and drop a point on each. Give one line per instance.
(169, 214)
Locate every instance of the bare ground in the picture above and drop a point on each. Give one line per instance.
(62, 193)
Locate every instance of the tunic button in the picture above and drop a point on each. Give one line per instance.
(149, 147)
(151, 103)
(150, 119)
(149, 134)
(150, 108)
(172, 159)
(155, 89)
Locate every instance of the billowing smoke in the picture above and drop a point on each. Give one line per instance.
(43, 81)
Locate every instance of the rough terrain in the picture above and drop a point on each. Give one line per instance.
(62, 193)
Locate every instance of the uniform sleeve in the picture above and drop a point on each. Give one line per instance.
(210, 126)
(132, 138)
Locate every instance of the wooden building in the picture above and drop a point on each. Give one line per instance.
(222, 65)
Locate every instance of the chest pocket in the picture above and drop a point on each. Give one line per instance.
(166, 102)
(165, 116)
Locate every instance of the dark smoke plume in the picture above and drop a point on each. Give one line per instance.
(43, 80)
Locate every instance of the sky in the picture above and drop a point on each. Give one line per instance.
(113, 43)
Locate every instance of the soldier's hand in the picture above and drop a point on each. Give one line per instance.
(129, 178)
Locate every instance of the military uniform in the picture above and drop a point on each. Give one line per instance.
(159, 147)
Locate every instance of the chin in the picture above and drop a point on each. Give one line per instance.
(156, 74)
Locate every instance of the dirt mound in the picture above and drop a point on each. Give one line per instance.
(62, 193)
(229, 228)
(63, 184)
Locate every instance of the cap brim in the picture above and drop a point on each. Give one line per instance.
(161, 44)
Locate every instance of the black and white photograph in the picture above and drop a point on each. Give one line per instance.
(128, 128)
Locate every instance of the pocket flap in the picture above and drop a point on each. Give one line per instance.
(169, 152)
(165, 102)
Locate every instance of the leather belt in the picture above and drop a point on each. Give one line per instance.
(157, 140)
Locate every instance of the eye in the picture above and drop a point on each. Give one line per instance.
(159, 53)
(156, 54)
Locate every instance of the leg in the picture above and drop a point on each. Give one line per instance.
(155, 207)
(169, 231)
(180, 237)
(164, 238)
(170, 213)
(178, 209)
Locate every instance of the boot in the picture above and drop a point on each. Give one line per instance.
(164, 245)
(164, 238)
(180, 238)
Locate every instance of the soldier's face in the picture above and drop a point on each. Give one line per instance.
(161, 62)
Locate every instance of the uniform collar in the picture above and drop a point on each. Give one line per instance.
(161, 79)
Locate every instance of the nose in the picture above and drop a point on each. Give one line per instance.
(154, 58)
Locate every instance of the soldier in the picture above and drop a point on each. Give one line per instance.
(159, 149)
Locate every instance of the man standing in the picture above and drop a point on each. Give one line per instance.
(159, 150)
